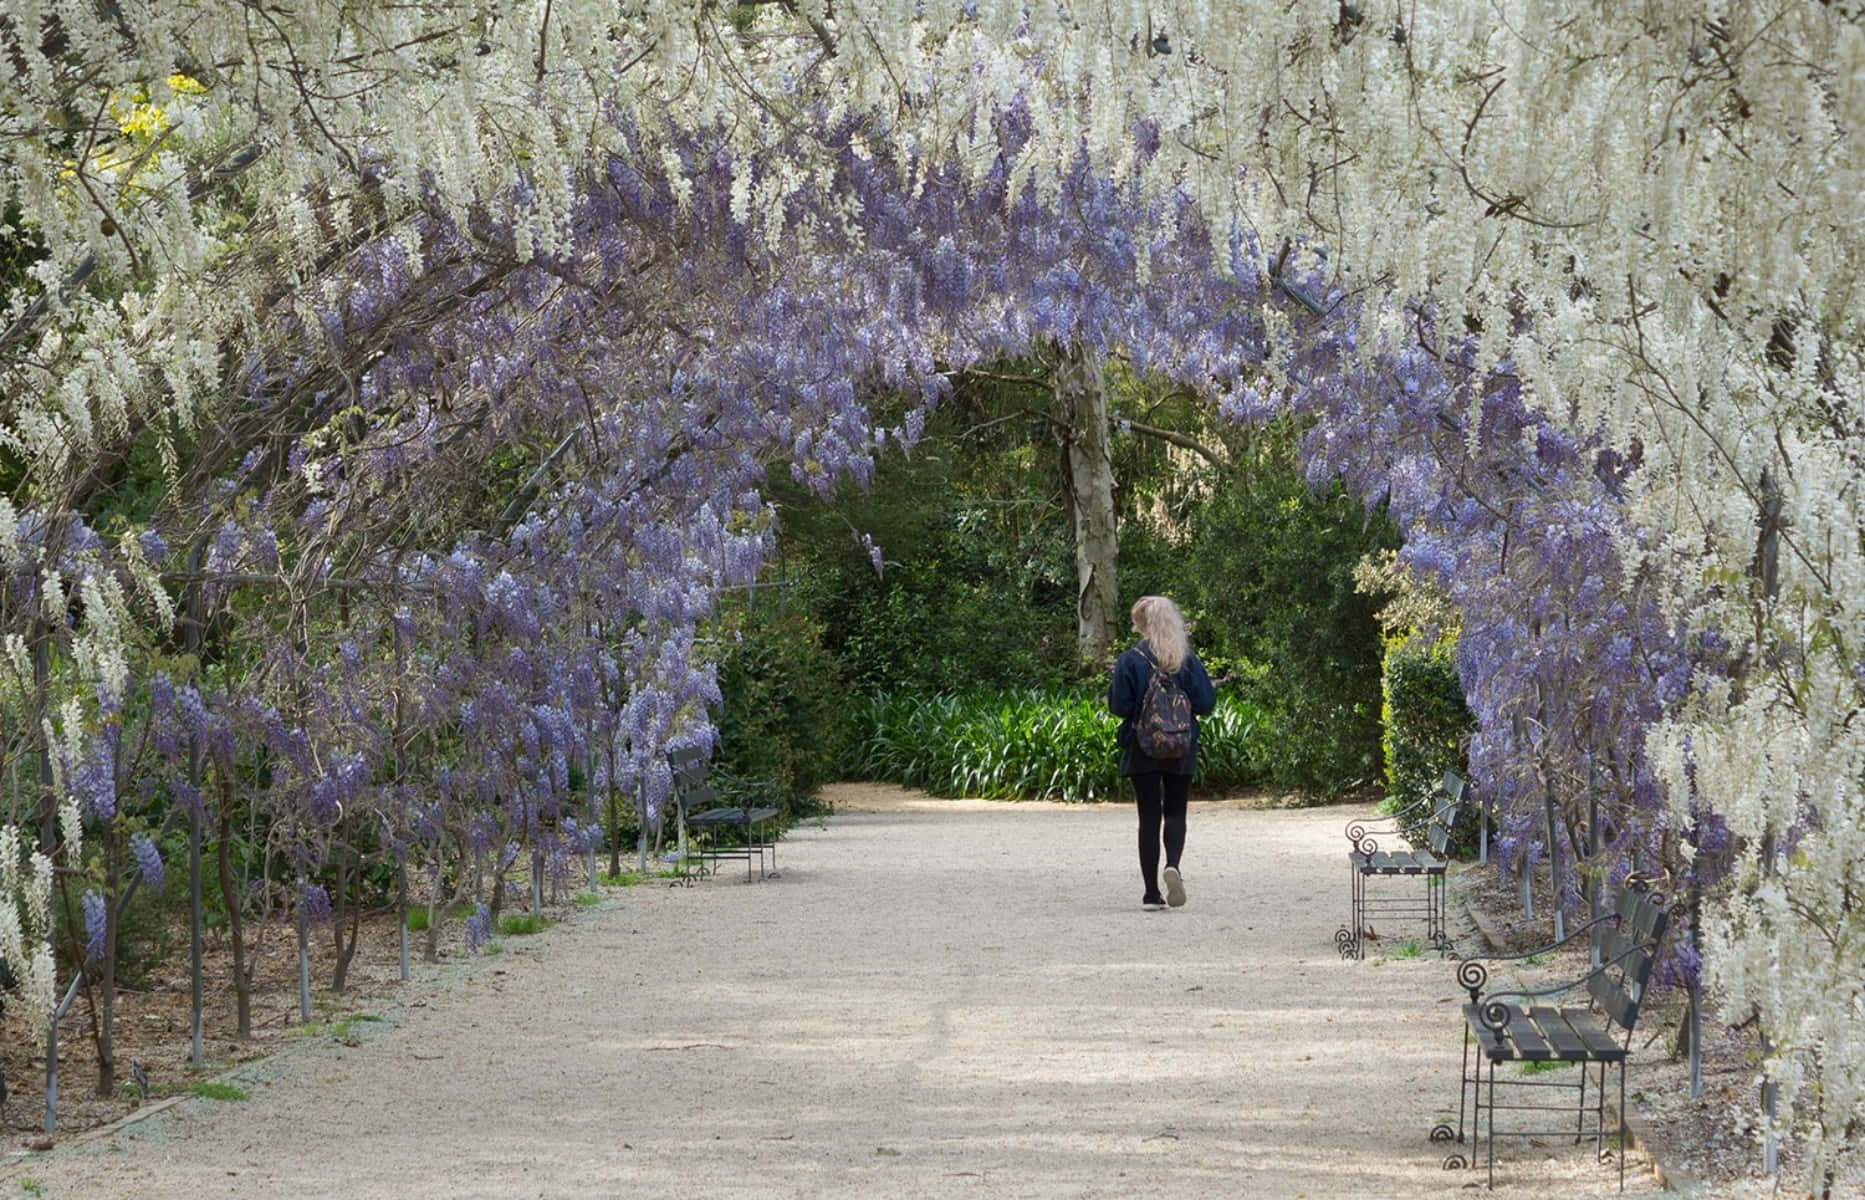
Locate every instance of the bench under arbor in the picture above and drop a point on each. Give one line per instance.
(711, 830)
(1386, 883)
(1534, 1032)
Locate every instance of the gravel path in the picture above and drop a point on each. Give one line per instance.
(942, 999)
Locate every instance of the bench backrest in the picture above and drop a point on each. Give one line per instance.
(690, 764)
(1627, 949)
(1443, 817)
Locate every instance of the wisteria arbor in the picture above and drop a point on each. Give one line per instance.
(465, 334)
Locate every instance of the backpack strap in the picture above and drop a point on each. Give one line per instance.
(1147, 687)
(1147, 654)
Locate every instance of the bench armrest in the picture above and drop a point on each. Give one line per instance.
(1360, 829)
(1495, 1014)
(1472, 974)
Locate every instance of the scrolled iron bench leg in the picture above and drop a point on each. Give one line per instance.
(1442, 1132)
(1456, 1160)
(1347, 937)
(1464, 1080)
(1580, 1114)
(1623, 1131)
(1489, 1143)
(1599, 1117)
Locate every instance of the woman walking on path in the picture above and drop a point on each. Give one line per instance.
(1160, 784)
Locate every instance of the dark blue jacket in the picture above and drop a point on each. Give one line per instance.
(1132, 672)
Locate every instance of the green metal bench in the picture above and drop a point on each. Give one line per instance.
(1520, 1026)
(696, 803)
(1366, 862)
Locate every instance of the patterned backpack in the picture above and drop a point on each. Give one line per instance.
(1164, 727)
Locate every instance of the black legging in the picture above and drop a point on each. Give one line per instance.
(1160, 795)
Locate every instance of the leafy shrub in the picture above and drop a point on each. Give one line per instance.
(978, 590)
(1233, 745)
(934, 630)
(1426, 724)
(783, 718)
(1028, 744)
(1271, 582)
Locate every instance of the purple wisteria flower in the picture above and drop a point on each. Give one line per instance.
(95, 784)
(95, 910)
(164, 730)
(148, 859)
(478, 929)
(314, 903)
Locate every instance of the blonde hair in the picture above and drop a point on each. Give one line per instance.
(1159, 621)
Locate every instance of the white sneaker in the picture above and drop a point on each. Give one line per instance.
(1175, 888)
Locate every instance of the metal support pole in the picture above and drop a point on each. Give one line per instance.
(401, 903)
(641, 814)
(51, 1051)
(51, 1077)
(1770, 1091)
(537, 881)
(304, 961)
(1549, 804)
(1695, 1015)
(1554, 866)
(196, 1051)
(595, 817)
(1594, 882)
(1770, 1099)
(1523, 871)
(41, 682)
(191, 639)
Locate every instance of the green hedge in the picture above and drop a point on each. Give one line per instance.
(1426, 724)
(784, 717)
(1029, 744)
(1269, 579)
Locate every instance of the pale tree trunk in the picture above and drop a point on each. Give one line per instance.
(1081, 414)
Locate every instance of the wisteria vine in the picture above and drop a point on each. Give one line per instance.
(482, 490)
